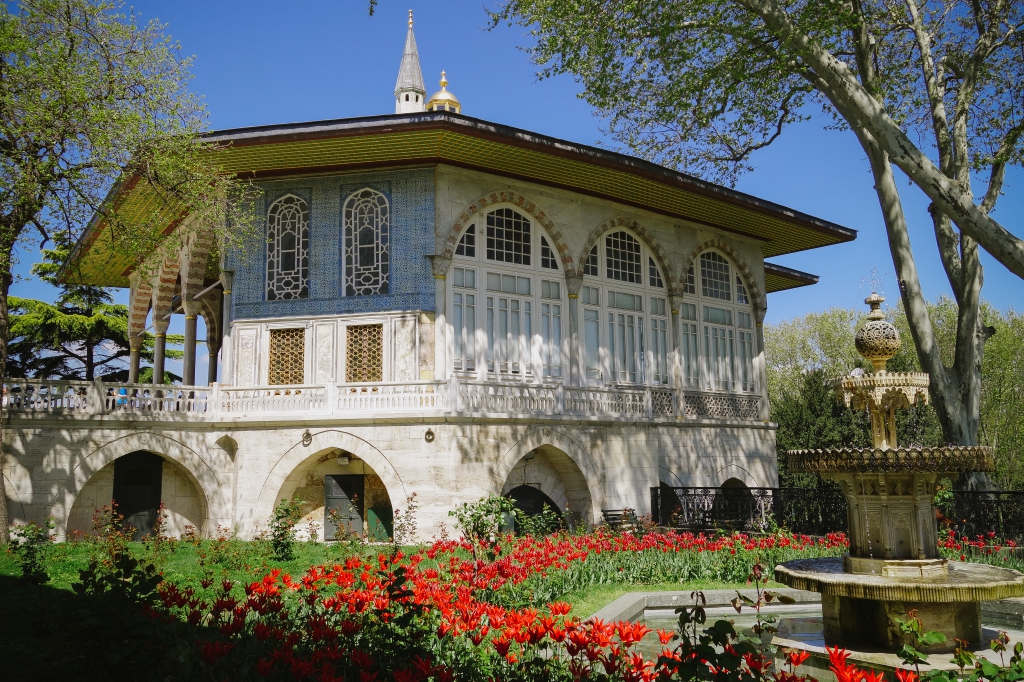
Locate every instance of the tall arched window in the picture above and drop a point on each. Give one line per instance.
(288, 249)
(367, 228)
(624, 313)
(718, 327)
(506, 300)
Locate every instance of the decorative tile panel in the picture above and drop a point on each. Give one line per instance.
(404, 349)
(410, 194)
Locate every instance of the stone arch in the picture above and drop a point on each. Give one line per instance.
(733, 471)
(757, 298)
(652, 243)
(577, 468)
(164, 283)
(193, 259)
(319, 444)
(477, 207)
(213, 490)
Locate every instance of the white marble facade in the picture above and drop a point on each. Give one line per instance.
(433, 428)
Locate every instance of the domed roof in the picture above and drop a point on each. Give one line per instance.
(442, 100)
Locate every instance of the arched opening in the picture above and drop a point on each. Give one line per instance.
(139, 482)
(341, 496)
(531, 501)
(548, 474)
(734, 505)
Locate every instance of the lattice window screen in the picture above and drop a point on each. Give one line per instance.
(367, 234)
(364, 353)
(287, 356)
(288, 249)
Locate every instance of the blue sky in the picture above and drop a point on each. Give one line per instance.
(260, 62)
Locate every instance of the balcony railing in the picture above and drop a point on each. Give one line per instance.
(455, 396)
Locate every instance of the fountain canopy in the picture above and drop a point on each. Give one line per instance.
(893, 565)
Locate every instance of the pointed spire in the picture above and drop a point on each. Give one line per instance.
(410, 76)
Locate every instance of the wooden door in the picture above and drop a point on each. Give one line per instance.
(137, 490)
(344, 495)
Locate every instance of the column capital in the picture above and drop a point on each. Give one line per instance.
(573, 282)
(439, 265)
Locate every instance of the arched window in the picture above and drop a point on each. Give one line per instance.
(367, 228)
(288, 249)
(624, 313)
(506, 300)
(718, 327)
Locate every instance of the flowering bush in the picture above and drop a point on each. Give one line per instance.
(441, 614)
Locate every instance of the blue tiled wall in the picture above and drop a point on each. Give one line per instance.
(411, 286)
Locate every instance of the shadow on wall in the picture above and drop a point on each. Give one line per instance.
(139, 482)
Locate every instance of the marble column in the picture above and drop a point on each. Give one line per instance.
(135, 359)
(675, 300)
(188, 374)
(439, 267)
(213, 348)
(573, 283)
(159, 346)
(226, 279)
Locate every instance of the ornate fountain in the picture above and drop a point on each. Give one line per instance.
(894, 564)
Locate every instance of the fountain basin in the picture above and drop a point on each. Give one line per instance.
(859, 609)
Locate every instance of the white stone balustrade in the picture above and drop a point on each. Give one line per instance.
(454, 397)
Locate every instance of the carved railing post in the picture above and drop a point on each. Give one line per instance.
(213, 406)
(94, 398)
(331, 397)
(453, 394)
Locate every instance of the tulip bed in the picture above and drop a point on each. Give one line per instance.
(453, 610)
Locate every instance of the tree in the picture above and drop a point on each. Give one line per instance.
(703, 84)
(89, 98)
(83, 335)
(805, 353)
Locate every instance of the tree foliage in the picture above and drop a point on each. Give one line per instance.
(93, 98)
(804, 354)
(82, 335)
(932, 87)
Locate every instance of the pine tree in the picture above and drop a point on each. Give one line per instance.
(82, 335)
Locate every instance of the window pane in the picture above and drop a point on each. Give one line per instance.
(367, 230)
(689, 349)
(467, 245)
(655, 276)
(622, 255)
(547, 256)
(287, 249)
(590, 267)
(508, 237)
(591, 341)
(714, 276)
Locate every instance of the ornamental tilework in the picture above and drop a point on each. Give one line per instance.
(411, 287)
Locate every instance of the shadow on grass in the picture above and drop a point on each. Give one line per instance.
(48, 633)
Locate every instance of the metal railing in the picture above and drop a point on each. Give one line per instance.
(813, 511)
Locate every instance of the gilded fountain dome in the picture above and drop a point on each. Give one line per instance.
(878, 340)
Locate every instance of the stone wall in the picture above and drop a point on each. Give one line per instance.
(238, 473)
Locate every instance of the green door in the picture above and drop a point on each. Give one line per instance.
(379, 522)
(344, 495)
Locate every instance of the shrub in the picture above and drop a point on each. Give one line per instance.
(29, 544)
(282, 529)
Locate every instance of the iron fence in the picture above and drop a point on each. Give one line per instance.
(813, 511)
(973, 513)
(817, 511)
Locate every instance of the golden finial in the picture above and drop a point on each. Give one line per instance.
(410, 18)
(444, 81)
